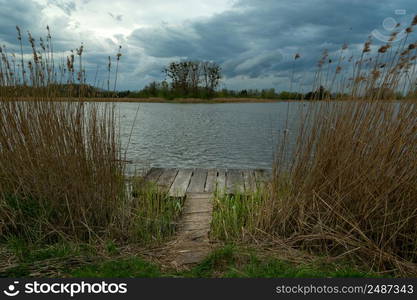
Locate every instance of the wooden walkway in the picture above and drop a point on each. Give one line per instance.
(191, 243)
(179, 182)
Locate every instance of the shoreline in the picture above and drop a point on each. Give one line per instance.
(159, 100)
(179, 100)
(188, 100)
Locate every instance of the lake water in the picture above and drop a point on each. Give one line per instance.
(238, 135)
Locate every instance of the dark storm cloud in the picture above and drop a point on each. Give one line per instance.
(254, 41)
(18, 12)
(259, 38)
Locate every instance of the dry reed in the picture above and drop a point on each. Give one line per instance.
(61, 166)
(350, 187)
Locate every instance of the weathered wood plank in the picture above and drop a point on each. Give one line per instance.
(178, 182)
(181, 182)
(191, 244)
(262, 177)
(198, 181)
(153, 175)
(211, 181)
(234, 181)
(167, 178)
(221, 181)
(249, 179)
(241, 182)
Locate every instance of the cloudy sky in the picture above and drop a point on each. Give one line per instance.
(253, 40)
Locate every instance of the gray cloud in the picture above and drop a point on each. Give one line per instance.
(259, 38)
(19, 12)
(254, 41)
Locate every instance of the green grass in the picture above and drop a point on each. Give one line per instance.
(154, 215)
(234, 215)
(28, 258)
(233, 262)
(228, 261)
(132, 267)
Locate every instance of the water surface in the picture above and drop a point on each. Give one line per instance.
(238, 135)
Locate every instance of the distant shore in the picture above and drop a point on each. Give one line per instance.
(185, 100)
(162, 100)
(177, 100)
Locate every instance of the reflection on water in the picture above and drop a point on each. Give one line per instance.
(243, 135)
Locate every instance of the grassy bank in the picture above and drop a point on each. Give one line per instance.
(83, 260)
(227, 262)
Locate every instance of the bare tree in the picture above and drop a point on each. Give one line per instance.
(186, 76)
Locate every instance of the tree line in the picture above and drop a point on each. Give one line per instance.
(188, 79)
(200, 79)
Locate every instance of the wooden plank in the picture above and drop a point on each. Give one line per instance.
(221, 181)
(211, 181)
(208, 180)
(249, 178)
(262, 177)
(198, 181)
(154, 174)
(181, 182)
(241, 182)
(167, 178)
(234, 181)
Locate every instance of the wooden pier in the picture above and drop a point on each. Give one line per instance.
(197, 186)
(179, 182)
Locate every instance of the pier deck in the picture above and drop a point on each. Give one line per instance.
(179, 182)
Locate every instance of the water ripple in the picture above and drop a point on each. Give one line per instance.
(241, 135)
